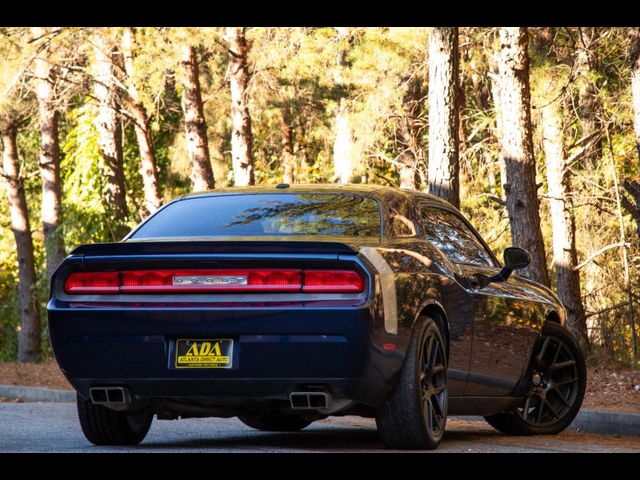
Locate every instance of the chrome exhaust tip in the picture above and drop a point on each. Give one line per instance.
(310, 401)
(109, 395)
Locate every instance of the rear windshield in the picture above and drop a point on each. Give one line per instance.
(265, 215)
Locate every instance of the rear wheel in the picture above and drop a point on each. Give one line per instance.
(415, 415)
(557, 384)
(274, 422)
(102, 426)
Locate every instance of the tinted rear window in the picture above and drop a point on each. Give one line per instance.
(265, 215)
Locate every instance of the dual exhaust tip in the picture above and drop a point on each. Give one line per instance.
(310, 400)
(109, 395)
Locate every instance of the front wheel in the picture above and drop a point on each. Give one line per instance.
(102, 426)
(415, 415)
(558, 378)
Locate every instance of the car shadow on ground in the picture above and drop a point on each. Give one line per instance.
(314, 439)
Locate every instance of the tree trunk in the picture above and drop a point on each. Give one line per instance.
(288, 158)
(444, 167)
(634, 34)
(148, 167)
(516, 147)
(343, 141)
(49, 164)
(588, 102)
(109, 129)
(565, 257)
(497, 105)
(195, 124)
(29, 339)
(241, 136)
(408, 136)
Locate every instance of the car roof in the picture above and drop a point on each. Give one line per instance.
(379, 192)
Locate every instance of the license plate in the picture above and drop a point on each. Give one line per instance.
(205, 353)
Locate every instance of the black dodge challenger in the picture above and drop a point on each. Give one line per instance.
(284, 305)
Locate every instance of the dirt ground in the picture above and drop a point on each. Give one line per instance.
(608, 388)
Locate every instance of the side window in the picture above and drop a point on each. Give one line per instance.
(454, 238)
(400, 225)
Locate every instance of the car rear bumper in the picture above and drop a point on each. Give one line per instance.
(276, 351)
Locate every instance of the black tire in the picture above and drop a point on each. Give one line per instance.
(102, 426)
(556, 395)
(415, 415)
(274, 422)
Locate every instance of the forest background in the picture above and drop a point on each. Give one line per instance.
(533, 132)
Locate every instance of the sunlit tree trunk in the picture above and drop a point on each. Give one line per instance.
(444, 167)
(288, 158)
(29, 337)
(516, 147)
(634, 34)
(194, 122)
(51, 206)
(407, 135)
(148, 167)
(588, 102)
(343, 141)
(241, 136)
(109, 129)
(565, 257)
(497, 105)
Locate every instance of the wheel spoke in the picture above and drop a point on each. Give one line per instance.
(434, 355)
(438, 420)
(429, 415)
(553, 410)
(564, 382)
(540, 410)
(427, 356)
(440, 389)
(527, 404)
(566, 363)
(543, 350)
(555, 357)
(564, 400)
(435, 401)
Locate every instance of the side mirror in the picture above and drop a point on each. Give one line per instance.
(515, 258)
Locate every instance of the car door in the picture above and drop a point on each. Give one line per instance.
(504, 317)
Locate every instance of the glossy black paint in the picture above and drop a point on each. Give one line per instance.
(296, 341)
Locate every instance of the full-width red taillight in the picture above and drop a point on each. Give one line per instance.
(236, 280)
(332, 281)
(92, 282)
(218, 280)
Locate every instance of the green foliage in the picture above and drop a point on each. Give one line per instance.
(85, 217)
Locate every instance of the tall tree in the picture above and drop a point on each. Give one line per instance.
(407, 134)
(109, 128)
(51, 207)
(135, 107)
(588, 103)
(634, 36)
(194, 122)
(565, 257)
(343, 141)
(241, 135)
(29, 338)
(444, 168)
(516, 147)
(288, 157)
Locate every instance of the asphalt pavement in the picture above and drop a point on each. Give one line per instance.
(54, 427)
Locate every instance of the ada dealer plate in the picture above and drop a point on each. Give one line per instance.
(204, 353)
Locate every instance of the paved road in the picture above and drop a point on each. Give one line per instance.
(51, 427)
